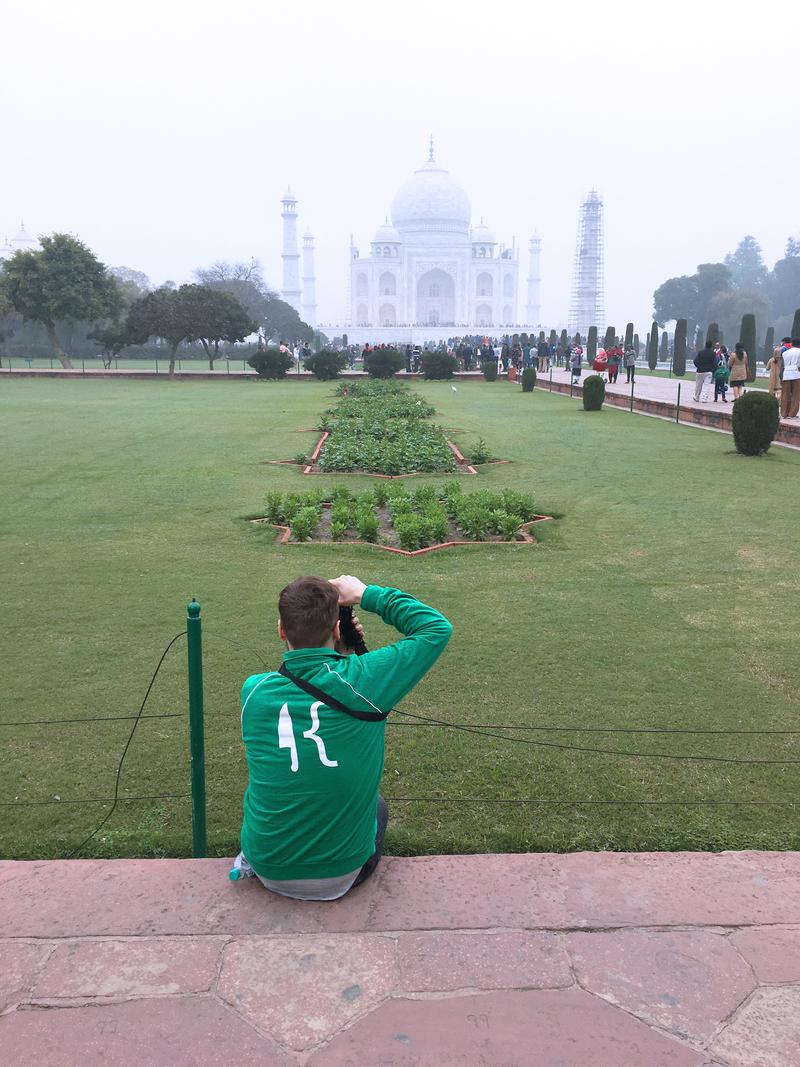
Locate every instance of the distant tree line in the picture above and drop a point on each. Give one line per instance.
(62, 296)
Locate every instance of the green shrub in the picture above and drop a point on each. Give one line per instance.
(326, 365)
(271, 363)
(380, 494)
(338, 530)
(413, 531)
(755, 418)
(518, 503)
(594, 393)
(384, 362)
(273, 507)
(340, 513)
(509, 527)
(679, 349)
(341, 495)
(480, 453)
(473, 521)
(438, 365)
(528, 379)
(453, 493)
(304, 523)
(367, 525)
(490, 370)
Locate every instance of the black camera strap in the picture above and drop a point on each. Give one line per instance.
(331, 702)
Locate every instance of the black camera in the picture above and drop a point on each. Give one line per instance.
(351, 638)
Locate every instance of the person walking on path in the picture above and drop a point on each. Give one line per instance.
(790, 390)
(775, 367)
(737, 364)
(629, 362)
(721, 375)
(704, 363)
(575, 364)
(614, 360)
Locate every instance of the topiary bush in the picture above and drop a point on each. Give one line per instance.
(384, 362)
(528, 379)
(326, 365)
(490, 370)
(438, 366)
(271, 363)
(594, 392)
(756, 418)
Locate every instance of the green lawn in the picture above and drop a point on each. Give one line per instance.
(664, 595)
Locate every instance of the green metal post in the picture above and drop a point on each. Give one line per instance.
(194, 642)
(631, 397)
(678, 405)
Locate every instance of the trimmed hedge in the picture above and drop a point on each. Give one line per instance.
(384, 362)
(271, 363)
(326, 364)
(528, 379)
(755, 418)
(437, 365)
(490, 370)
(594, 392)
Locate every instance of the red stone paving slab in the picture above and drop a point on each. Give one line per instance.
(772, 952)
(302, 990)
(19, 963)
(541, 1028)
(765, 1032)
(682, 888)
(684, 981)
(449, 960)
(176, 1032)
(156, 897)
(140, 967)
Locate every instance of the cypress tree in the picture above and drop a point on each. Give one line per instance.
(796, 325)
(591, 345)
(541, 336)
(610, 338)
(637, 345)
(769, 344)
(563, 340)
(652, 347)
(679, 350)
(712, 335)
(698, 338)
(629, 336)
(553, 338)
(576, 340)
(663, 352)
(524, 339)
(747, 338)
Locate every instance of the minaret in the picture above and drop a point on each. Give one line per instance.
(290, 256)
(309, 314)
(533, 308)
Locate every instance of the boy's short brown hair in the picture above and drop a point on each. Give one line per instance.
(308, 608)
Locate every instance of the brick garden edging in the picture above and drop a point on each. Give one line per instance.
(467, 468)
(286, 533)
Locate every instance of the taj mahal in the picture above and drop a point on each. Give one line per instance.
(427, 268)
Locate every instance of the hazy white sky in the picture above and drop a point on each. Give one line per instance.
(164, 134)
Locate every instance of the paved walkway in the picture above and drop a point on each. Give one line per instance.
(581, 960)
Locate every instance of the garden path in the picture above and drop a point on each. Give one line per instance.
(620, 960)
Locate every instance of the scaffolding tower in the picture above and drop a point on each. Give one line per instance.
(588, 301)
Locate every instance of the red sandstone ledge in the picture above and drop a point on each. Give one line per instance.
(575, 891)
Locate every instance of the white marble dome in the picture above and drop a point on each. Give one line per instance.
(431, 200)
(386, 234)
(482, 235)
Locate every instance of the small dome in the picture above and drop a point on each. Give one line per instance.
(482, 235)
(386, 235)
(431, 200)
(23, 239)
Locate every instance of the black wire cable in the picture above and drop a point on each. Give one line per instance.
(125, 749)
(91, 800)
(595, 751)
(595, 729)
(93, 718)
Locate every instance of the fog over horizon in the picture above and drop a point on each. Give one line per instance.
(164, 135)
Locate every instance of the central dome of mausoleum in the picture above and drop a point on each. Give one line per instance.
(431, 200)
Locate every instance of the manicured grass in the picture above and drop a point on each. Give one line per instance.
(664, 595)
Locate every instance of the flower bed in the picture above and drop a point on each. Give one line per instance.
(380, 428)
(401, 519)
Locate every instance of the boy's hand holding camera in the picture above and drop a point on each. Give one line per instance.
(350, 590)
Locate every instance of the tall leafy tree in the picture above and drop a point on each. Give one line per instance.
(216, 317)
(663, 352)
(637, 345)
(712, 334)
(628, 336)
(769, 344)
(244, 282)
(610, 338)
(169, 314)
(679, 348)
(63, 281)
(591, 345)
(727, 309)
(652, 347)
(747, 338)
(746, 265)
